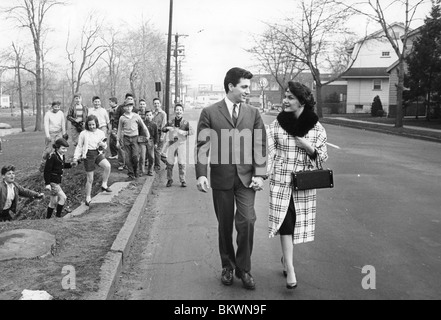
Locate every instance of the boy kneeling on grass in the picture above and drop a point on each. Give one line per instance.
(53, 172)
(10, 192)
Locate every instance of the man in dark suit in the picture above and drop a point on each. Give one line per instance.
(232, 138)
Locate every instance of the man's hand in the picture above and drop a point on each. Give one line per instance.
(48, 187)
(257, 183)
(203, 185)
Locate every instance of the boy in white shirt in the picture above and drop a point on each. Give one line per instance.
(54, 129)
(101, 113)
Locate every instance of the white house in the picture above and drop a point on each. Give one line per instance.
(4, 101)
(368, 77)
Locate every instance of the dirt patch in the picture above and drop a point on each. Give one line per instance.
(81, 242)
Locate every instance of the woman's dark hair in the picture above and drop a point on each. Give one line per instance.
(7, 168)
(234, 75)
(302, 93)
(91, 118)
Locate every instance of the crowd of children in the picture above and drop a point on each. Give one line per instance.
(139, 138)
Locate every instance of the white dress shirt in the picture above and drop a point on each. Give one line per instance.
(230, 106)
(10, 197)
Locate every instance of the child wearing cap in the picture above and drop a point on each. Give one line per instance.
(53, 172)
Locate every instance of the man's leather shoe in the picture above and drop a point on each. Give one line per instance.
(247, 279)
(227, 276)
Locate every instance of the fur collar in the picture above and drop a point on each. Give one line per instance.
(297, 127)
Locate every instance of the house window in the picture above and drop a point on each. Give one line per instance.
(377, 84)
(385, 54)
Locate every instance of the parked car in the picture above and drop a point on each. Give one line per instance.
(277, 107)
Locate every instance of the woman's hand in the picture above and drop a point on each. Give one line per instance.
(305, 144)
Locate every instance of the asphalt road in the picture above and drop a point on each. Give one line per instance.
(379, 227)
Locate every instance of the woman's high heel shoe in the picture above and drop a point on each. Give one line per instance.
(285, 274)
(292, 285)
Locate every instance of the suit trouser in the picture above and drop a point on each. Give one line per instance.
(244, 219)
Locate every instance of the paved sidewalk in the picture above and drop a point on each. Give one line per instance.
(385, 124)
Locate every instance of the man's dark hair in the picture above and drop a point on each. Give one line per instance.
(7, 168)
(154, 99)
(148, 110)
(234, 75)
(128, 95)
(56, 103)
(114, 100)
(77, 95)
(179, 105)
(91, 118)
(95, 98)
(141, 100)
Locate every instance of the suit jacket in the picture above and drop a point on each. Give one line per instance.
(230, 149)
(19, 191)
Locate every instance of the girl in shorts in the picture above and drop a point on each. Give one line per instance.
(53, 172)
(91, 143)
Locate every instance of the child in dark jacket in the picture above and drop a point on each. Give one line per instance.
(53, 172)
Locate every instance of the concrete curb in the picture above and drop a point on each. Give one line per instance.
(114, 260)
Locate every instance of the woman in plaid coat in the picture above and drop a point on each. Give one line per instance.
(296, 142)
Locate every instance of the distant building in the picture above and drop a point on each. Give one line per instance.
(274, 93)
(5, 101)
(369, 76)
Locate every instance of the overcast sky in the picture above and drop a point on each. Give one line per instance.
(218, 30)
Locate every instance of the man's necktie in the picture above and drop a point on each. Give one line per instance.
(235, 115)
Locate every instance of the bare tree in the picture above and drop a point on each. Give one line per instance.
(18, 56)
(31, 14)
(377, 12)
(91, 51)
(112, 58)
(144, 53)
(274, 56)
(314, 35)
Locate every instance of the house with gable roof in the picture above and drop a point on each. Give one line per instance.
(368, 76)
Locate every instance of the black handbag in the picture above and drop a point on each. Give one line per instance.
(313, 179)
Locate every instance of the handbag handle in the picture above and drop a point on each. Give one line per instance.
(318, 164)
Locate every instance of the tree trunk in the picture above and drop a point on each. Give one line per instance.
(20, 96)
(38, 93)
(319, 100)
(400, 86)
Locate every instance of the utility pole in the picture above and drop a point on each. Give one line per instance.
(177, 51)
(167, 77)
